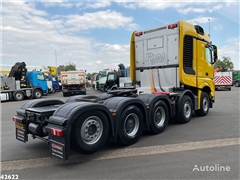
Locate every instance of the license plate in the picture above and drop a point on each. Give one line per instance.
(19, 125)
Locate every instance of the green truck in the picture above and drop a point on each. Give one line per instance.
(236, 78)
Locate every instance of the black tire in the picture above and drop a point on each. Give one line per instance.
(229, 89)
(37, 94)
(130, 126)
(185, 110)
(65, 94)
(159, 117)
(18, 96)
(53, 90)
(237, 84)
(204, 105)
(90, 132)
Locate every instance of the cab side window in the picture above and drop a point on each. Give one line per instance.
(40, 77)
(208, 54)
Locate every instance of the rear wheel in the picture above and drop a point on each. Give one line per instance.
(204, 105)
(90, 132)
(18, 96)
(131, 126)
(37, 93)
(159, 118)
(185, 113)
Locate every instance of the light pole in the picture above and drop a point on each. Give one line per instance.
(209, 27)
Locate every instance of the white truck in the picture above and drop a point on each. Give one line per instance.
(223, 80)
(171, 67)
(73, 82)
(102, 79)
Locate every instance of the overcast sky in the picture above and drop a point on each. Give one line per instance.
(95, 34)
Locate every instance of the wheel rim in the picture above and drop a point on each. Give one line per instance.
(131, 125)
(91, 130)
(19, 96)
(187, 109)
(159, 117)
(38, 94)
(237, 84)
(205, 104)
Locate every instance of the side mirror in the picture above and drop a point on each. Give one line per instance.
(215, 53)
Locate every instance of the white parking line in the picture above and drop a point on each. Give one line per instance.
(120, 153)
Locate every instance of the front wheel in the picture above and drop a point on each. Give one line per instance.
(204, 105)
(90, 132)
(37, 94)
(237, 84)
(159, 117)
(131, 126)
(185, 110)
(53, 90)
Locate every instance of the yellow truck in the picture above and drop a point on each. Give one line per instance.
(171, 67)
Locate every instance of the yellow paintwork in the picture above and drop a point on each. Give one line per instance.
(132, 59)
(52, 70)
(204, 71)
(200, 64)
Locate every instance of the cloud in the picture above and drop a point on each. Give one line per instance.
(218, 27)
(191, 9)
(97, 4)
(232, 50)
(201, 20)
(32, 36)
(21, 8)
(100, 19)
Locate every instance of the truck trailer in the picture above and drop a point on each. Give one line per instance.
(171, 67)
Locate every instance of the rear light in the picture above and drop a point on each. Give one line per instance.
(138, 33)
(15, 119)
(172, 26)
(56, 132)
(64, 87)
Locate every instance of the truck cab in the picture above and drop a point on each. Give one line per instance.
(38, 82)
(112, 80)
(236, 78)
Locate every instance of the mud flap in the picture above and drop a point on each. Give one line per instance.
(21, 134)
(58, 149)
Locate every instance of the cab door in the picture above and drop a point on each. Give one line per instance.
(205, 70)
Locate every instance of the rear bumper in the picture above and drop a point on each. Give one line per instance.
(74, 91)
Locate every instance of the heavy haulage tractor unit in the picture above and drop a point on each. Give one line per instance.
(172, 70)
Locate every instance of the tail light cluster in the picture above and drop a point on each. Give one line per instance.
(56, 132)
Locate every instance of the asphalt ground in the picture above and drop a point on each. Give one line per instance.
(205, 148)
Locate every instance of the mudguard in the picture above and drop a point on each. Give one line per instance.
(118, 104)
(191, 95)
(64, 117)
(151, 99)
(38, 103)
